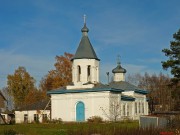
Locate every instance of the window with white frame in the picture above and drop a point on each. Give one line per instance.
(36, 117)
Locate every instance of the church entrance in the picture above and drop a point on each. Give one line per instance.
(80, 111)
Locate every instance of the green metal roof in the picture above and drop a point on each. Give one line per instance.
(64, 91)
(141, 91)
(85, 49)
(127, 98)
(112, 87)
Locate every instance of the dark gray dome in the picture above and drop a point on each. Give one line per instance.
(119, 69)
(84, 29)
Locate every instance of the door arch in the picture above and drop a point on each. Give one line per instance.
(80, 111)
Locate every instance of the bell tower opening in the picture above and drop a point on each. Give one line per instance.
(89, 73)
(79, 74)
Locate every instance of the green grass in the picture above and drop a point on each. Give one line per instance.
(120, 128)
(64, 128)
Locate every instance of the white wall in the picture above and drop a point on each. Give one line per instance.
(119, 77)
(64, 105)
(139, 106)
(19, 115)
(96, 104)
(83, 63)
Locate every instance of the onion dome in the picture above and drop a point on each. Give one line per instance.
(85, 29)
(119, 69)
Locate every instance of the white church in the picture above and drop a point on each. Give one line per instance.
(87, 96)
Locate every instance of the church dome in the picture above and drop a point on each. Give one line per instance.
(119, 69)
(84, 29)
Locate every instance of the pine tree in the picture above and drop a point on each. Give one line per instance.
(174, 57)
(174, 64)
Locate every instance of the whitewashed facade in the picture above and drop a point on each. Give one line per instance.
(35, 113)
(32, 116)
(87, 97)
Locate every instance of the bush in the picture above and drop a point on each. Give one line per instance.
(55, 121)
(95, 119)
(10, 132)
(174, 122)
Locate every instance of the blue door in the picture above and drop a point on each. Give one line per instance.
(80, 115)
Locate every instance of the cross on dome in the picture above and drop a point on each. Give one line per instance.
(84, 19)
(118, 60)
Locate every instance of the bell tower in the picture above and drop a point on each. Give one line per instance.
(85, 67)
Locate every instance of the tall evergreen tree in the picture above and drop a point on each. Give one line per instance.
(174, 57)
(174, 64)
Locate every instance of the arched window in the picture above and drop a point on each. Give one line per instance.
(89, 73)
(79, 74)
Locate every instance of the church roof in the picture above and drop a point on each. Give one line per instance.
(127, 87)
(85, 49)
(64, 91)
(127, 98)
(41, 105)
(121, 86)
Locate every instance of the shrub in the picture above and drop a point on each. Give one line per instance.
(10, 132)
(12, 121)
(55, 121)
(95, 119)
(174, 122)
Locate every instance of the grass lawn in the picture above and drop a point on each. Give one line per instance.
(66, 128)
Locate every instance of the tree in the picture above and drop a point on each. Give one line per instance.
(174, 64)
(19, 85)
(159, 95)
(113, 113)
(61, 76)
(174, 57)
(35, 96)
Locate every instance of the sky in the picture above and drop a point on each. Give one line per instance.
(34, 32)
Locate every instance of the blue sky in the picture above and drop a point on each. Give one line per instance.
(33, 32)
